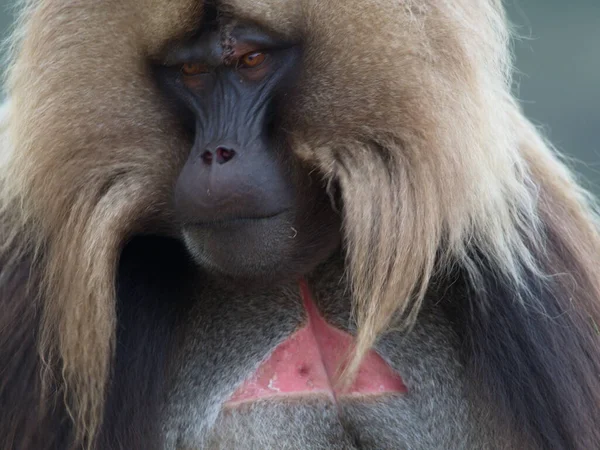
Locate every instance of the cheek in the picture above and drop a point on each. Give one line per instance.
(255, 74)
(197, 83)
(318, 223)
(319, 200)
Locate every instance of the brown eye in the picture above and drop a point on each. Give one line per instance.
(191, 69)
(251, 60)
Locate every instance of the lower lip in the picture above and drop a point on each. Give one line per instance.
(235, 222)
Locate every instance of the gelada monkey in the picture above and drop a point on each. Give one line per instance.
(285, 224)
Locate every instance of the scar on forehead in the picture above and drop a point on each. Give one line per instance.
(228, 41)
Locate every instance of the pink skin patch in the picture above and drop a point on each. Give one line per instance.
(308, 361)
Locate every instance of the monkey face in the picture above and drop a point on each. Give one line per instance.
(246, 208)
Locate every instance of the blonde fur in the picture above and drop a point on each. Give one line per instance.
(406, 104)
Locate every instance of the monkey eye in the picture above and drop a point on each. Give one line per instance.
(251, 60)
(192, 69)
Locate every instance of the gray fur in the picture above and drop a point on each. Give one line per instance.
(230, 333)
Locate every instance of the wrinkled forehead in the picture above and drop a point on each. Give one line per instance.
(184, 18)
(283, 17)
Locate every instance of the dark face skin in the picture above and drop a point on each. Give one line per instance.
(248, 210)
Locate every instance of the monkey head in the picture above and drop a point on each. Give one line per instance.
(247, 208)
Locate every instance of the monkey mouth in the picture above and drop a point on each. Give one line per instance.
(236, 220)
(308, 362)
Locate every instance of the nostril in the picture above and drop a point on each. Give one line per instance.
(224, 155)
(207, 157)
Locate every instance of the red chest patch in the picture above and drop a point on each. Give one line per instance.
(307, 363)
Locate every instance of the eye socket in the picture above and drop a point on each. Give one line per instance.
(252, 60)
(192, 69)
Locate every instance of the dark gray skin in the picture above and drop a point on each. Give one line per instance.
(250, 212)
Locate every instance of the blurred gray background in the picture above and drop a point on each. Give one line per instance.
(558, 79)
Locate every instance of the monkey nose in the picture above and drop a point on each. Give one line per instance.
(221, 154)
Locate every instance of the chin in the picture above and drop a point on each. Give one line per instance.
(248, 250)
(258, 251)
